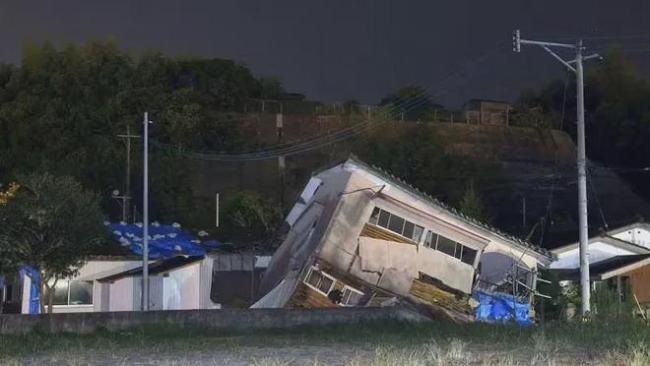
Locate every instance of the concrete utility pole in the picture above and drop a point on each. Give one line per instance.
(145, 218)
(126, 196)
(581, 158)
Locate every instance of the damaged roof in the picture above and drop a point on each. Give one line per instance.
(452, 211)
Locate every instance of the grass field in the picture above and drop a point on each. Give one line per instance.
(620, 342)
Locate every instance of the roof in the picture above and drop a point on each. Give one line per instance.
(634, 225)
(609, 267)
(162, 266)
(609, 239)
(452, 211)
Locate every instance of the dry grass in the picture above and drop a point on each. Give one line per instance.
(372, 344)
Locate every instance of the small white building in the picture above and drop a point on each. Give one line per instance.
(178, 283)
(82, 293)
(633, 239)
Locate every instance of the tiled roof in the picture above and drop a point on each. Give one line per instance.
(454, 212)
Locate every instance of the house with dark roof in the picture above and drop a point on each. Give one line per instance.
(361, 237)
(182, 282)
(620, 257)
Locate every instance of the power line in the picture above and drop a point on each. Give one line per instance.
(322, 141)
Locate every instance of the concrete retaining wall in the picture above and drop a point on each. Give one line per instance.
(226, 319)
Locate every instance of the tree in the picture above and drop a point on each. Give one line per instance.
(251, 215)
(53, 224)
(413, 102)
(471, 204)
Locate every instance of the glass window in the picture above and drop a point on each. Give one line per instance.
(375, 216)
(409, 227)
(417, 233)
(430, 240)
(459, 251)
(325, 284)
(61, 293)
(313, 278)
(351, 296)
(396, 224)
(468, 256)
(383, 218)
(319, 281)
(446, 245)
(81, 293)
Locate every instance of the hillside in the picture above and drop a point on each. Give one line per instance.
(536, 166)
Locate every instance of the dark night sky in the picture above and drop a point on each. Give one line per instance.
(339, 49)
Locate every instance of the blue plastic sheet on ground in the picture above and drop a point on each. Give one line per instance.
(501, 308)
(164, 240)
(34, 289)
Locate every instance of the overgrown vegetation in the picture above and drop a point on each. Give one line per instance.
(62, 109)
(377, 343)
(416, 154)
(617, 115)
(51, 223)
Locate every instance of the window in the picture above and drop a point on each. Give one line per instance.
(73, 293)
(396, 224)
(351, 296)
(81, 293)
(450, 247)
(374, 217)
(446, 245)
(431, 240)
(320, 281)
(468, 256)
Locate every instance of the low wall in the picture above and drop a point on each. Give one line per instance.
(226, 319)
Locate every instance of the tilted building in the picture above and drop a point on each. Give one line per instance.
(361, 237)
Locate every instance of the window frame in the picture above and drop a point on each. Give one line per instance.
(351, 289)
(458, 254)
(322, 273)
(374, 222)
(68, 283)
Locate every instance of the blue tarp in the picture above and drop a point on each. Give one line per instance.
(501, 308)
(164, 240)
(35, 288)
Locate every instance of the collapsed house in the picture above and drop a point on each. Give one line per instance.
(619, 257)
(361, 237)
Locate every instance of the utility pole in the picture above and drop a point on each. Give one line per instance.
(578, 48)
(126, 196)
(145, 218)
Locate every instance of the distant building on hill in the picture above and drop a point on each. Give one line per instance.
(487, 112)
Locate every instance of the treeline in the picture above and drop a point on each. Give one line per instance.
(617, 115)
(61, 111)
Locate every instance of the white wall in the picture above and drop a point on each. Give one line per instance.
(181, 288)
(121, 294)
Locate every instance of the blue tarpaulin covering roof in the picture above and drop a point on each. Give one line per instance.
(164, 240)
(501, 308)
